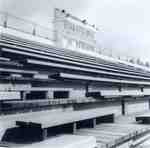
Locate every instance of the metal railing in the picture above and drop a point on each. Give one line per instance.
(25, 26)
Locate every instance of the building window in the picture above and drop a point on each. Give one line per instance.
(61, 94)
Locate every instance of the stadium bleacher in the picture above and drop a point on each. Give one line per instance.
(112, 135)
(47, 89)
(75, 56)
(44, 66)
(40, 62)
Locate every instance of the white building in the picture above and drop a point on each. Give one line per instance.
(73, 33)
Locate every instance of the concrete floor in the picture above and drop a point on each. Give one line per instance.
(127, 119)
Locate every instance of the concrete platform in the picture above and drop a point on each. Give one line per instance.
(66, 141)
(114, 135)
(143, 118)
(47, 119)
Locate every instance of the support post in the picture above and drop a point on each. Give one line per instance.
(86, 89)
(44, 134)
(1, 105)
(149, 103)
(74, 127)
(24, 95)
(123, 106)
(47, 94)
(94, 122)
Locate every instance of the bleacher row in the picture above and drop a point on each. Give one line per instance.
(25, 61)
(67, 57)
(111, 135)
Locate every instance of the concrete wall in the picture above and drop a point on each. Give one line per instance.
(114, 107)
(77, 94)
(131, 107)
(136, 106)
(9, 95)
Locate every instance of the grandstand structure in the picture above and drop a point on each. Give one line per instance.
(74, 33)
(58, 85)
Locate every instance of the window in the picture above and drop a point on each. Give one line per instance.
(33, 95)
(61, 94)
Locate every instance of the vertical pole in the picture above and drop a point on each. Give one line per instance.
(94, 122)
(24, 93)
(123, 106)
(74, 127)
(1, 102)
(149, 103)
(47, 95)
(44, 134)
(86, 89)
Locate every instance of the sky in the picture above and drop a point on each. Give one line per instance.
(123, 24)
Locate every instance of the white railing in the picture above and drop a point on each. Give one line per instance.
(25, 26)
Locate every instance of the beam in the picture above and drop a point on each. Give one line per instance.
(46, 55)
(98, 79)
(18, 71)
(60, 65)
